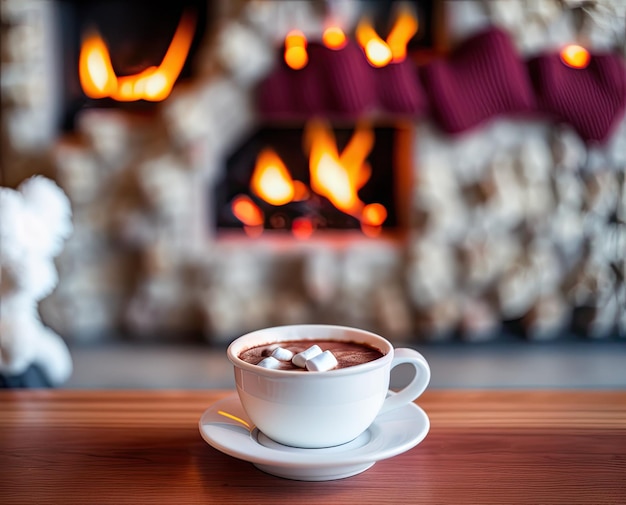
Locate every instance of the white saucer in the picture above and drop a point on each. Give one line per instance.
(226, 427)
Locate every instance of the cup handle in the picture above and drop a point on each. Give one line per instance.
(417, 385)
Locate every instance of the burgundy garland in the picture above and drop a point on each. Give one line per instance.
(483, 78)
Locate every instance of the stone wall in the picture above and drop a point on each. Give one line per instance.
(518, 221)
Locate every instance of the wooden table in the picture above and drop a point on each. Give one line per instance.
(144, 447)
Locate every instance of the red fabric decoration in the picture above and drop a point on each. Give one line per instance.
(399, 89)
(333, 83)
(293, 94)
(483, 78)
(591, 99)
(350, 79)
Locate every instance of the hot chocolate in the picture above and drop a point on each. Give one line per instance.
(346, 353)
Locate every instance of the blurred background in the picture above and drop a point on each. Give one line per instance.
(449, 174)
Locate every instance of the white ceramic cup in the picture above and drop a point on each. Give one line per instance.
(322, 409)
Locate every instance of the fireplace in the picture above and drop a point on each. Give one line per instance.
(464, 215)
(274, 182)
(125, 58)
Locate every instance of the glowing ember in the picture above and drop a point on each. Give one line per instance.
(247, 211)
(98, 79)
(371, 231)
(575, 56)
(300, 191)
(271, 180)
(334, 38)
(374, 214)
(302, 228)
(295, 50)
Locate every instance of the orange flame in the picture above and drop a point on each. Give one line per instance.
(380, 52)
(575, 56)
(98, 78)
(403, 30)
(94, 68)
(336, 176)
(376, 49)
(271, 180)
(334, 38)
(295, 50)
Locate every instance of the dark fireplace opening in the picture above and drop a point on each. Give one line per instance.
(429, 14)
(136, 38)
(311, 207)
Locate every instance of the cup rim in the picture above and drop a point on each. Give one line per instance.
(236, 346)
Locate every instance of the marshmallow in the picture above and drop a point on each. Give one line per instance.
(301, 358)
(321, 362)
(282, 354)
(269, 362)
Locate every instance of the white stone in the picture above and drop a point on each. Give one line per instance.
(321, 274)
(27, 129)
(507, 13)
(393, 312)
(24, 42)
(165, 184)
(602, 193)
(544, 260)
(517, 290)
(483, 257)
(616, 147)
(535, 160)
(560, 31)
(479, 320)
(246, 55)
(508, 202)
(605, 318)
(274, 19)
(17, 11)
(465, 18)
(550, 314)
(568, 149)
(566, 230)
(546, 11)
(369, 264)
(431, 272)
(110, 133)
(569, 189)
(531, 38)
(78, 172)
(218, 111)
(440, 320)
(621, 316)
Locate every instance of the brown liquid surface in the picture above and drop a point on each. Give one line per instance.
(346, 353)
